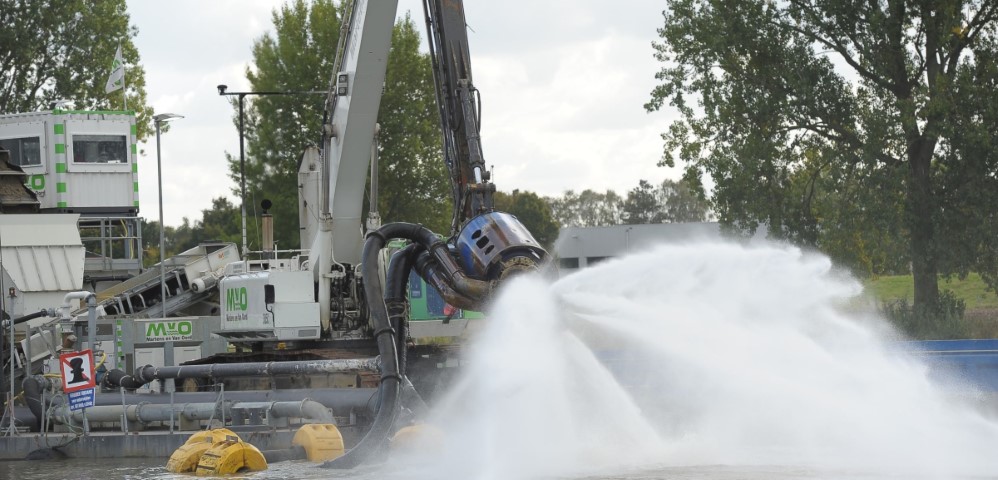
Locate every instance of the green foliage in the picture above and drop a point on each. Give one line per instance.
(943, 321)
(414, 185)
(222, 222)
(176, 240)
(642, 205)
(533, 212)
(299, 56)
(62, 50)
(587, 209)
(670, 201)
(864, 129)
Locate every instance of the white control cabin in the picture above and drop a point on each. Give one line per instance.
(76, 161)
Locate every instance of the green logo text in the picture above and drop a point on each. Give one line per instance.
(236, 299)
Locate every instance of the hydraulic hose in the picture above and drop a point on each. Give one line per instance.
(429, 270)
(395, 298)
(32, 316)
(476, 290)
(391, 380)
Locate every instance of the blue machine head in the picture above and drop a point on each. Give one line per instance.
(494, 245)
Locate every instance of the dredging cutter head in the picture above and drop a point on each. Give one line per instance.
(495, 245)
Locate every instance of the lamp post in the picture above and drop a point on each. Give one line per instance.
(159, 120)
(222, 90)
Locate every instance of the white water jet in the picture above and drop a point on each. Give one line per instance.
(714, 354)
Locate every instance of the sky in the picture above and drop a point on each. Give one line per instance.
(563, 84)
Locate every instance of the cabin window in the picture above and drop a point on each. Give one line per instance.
(25, 151)
(100, 149)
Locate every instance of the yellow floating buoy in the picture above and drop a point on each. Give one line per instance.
(322, 442)
(185, 459)
(231, 455)
(420, 436)
(214, 435)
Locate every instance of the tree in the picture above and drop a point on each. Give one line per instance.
(177, 239)
(413, 180)
(642, 205)
(672, 201)
(63, 50)
(221, 222)
(587, 209)
(532, 211)
(683, 203)
(838, 122)
(299, 56)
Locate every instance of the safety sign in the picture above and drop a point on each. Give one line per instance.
(81, 399)
(77, 370)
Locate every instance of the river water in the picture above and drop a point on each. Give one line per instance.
(708, 362)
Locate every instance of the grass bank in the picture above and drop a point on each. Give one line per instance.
(981, 317)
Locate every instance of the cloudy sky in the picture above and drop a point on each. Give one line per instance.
(562, 81)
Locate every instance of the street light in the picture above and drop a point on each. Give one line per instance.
(159, 120)
(222, 90)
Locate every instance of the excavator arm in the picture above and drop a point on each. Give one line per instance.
(459, 105)
(484, 246)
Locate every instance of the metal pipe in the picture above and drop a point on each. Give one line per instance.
(91, 323)
(91, 312)
(373, 217)
(149, 373)
(146, 412)
(346, 400)
(361, 400)
(306, 408)
(33, 386)
(242, 175)
(50, 312)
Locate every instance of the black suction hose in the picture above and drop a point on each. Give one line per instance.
(395, 298)
(391, 381)
(33, 386)
(32, 389)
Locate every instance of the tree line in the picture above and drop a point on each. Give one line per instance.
(668, 202)
(865, 130)
(412, 177)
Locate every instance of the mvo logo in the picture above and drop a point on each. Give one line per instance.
(164, 329)
(236, 299)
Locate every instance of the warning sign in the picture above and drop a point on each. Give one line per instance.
(77, 370)
(81, 399)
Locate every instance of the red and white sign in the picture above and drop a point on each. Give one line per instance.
(77, 370)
